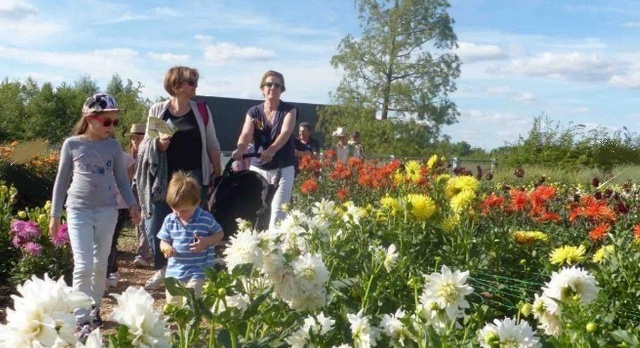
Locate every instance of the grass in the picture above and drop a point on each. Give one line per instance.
(617, 176)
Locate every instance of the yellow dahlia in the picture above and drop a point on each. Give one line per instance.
(422, 206)
(459, 183)
(567, 255)
(450, 222)
(398, 178)
(603, 253)
(432, 161)
(443, 178)
(528, 237)
(412, 170)
(462, 201)
(390, 204)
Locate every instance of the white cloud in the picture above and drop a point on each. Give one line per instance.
(498, 90)
(631, 24)
(17, 10)
(575, 66)
(470, 52)
(167, 12)
(203, 39)
(224, 52)
(628, 80)
(126, 17)
(21, 25)
(169, 57)
(97, 63)
(525, 97)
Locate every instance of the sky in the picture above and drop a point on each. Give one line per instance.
(576, 62)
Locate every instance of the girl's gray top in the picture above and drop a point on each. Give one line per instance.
(88, 173)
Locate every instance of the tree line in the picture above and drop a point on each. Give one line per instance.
(31, 111)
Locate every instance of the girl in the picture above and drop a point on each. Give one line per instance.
(90, 168)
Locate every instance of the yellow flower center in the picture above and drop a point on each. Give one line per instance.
(449, 292)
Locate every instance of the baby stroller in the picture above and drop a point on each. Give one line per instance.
(241, 194)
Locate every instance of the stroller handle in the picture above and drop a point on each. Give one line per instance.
(228, 167)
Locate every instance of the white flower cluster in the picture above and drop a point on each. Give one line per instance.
(313, 326)
(508, 333)
(145, 325)
(364, 335)
(443, 297)
(284, 259)
(387, 258)
(43, 314)
(570, 284)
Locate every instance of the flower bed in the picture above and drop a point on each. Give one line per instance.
(408, 254)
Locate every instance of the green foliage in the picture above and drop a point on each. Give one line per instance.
(29, 111)
(34, 189)
(8, 252)
(379, 137)
(570, 148)
(392, 68)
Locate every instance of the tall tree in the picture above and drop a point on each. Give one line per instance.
(401, 66)
(87, 86)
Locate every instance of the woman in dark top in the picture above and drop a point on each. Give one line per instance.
(270, 125)
(194, 149)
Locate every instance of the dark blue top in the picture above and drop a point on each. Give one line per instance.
(264, 135)
(185, 150)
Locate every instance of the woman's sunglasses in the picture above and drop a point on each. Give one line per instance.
(272, 85)
(107, 122)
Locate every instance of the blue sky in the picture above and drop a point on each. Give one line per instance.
(574, 61)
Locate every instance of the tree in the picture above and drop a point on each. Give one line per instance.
(391, 67)
(87, 86)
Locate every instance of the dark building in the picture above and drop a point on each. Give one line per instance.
(229, 113)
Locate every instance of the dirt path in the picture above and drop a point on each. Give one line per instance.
(129, 276)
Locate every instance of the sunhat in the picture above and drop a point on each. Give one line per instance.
(340, 132)
(137, 129)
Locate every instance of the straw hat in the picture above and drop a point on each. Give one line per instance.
(137, 129)
(340, 132)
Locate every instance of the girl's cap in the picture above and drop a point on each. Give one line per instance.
(99, 102)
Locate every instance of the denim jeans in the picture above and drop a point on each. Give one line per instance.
(283, 193)
(90, 236)
(160, 210)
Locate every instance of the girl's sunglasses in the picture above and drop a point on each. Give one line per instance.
(107, 122)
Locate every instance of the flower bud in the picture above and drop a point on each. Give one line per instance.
(526, 309)
(222, 292)
(591, 327)
(4, 189)
(22, 214)
(492, 339)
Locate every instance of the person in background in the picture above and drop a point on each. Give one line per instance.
(143, 252)
(194, 149)
(188, 235)
(357, 149)
(113, 277)
(341, 147)
(270, 125)
(305, 144)
(90, 169)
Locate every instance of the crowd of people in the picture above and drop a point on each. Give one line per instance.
(161, 184)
